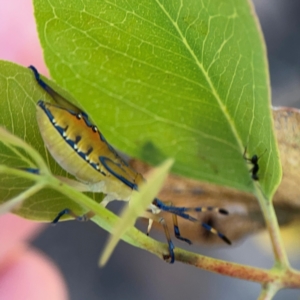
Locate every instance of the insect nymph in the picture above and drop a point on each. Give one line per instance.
(81, 149)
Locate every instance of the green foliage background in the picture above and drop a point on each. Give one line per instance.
(186, 80)
(182, 79)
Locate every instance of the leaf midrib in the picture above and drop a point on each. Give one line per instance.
(210, 83)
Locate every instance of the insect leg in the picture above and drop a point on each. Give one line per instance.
(177, 232)
(168, 207)
(208, 228)
(150, 216)
(244, 155)
(31, 170)
(149, 226)
(202, 209)
(176, 227)
(67, 211)
(180, 211)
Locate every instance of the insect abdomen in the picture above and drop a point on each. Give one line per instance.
(63, 137)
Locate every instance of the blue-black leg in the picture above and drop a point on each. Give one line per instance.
(31, 170)
(67, 211)
(171, 256)
(177, 232)
(219, 210)
(176, 228)
(214, 231)
(181, 212)
(62, 213)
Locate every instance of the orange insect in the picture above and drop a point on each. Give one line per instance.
(81, 149)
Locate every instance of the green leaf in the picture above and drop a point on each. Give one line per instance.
(184, 79)
(19, 94)
(103, 217)
(139, 202)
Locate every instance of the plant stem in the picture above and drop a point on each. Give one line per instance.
(287, 278)
(10, 139)
(281, 260)
(268, 292)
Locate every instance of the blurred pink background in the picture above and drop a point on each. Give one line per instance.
(18, 35)
(25, 273)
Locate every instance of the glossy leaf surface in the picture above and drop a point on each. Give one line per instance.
(181, 79)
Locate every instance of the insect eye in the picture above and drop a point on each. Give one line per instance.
(95, 129)
(79, 116)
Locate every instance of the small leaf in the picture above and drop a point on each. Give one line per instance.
(139, 202)
(19, 93)
(14, 203)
